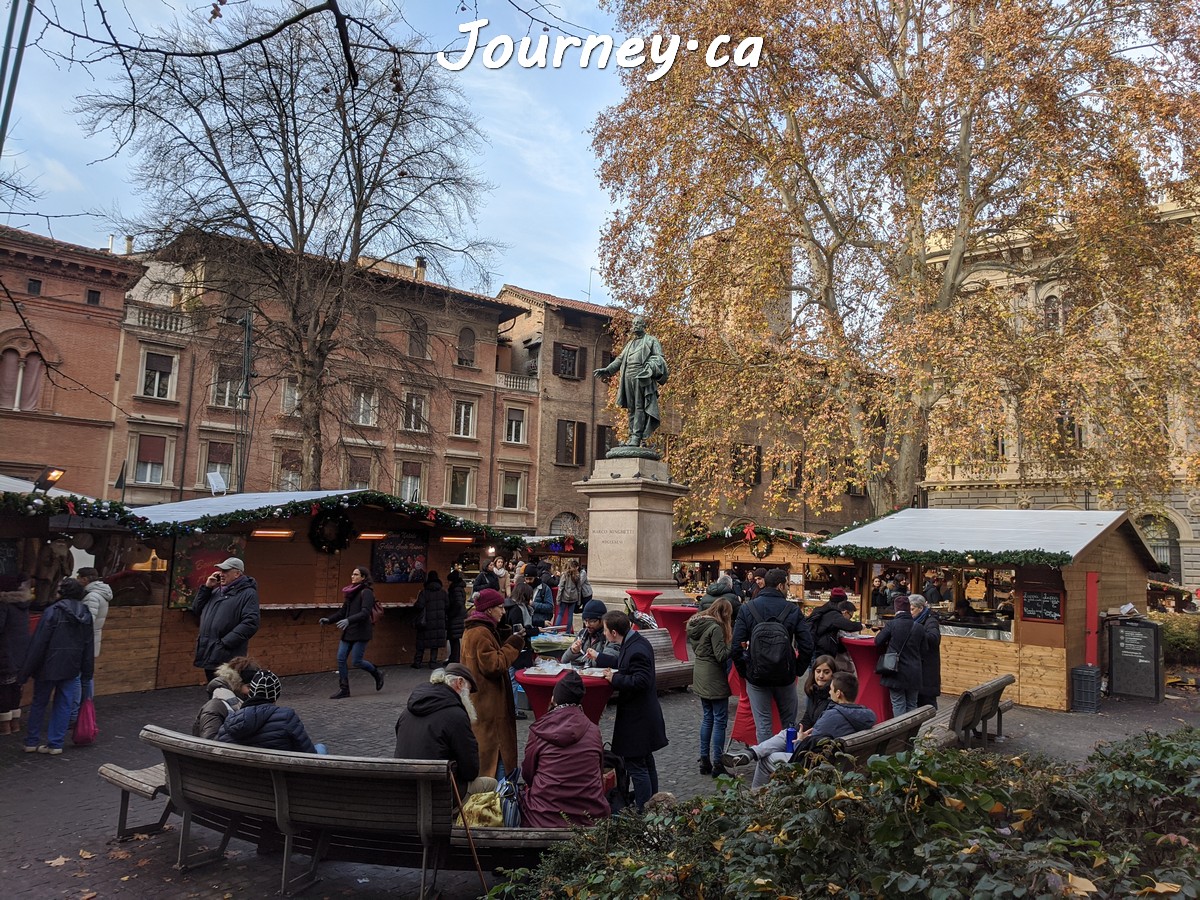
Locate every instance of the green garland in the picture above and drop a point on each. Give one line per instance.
(29, 505)
(1006, 559)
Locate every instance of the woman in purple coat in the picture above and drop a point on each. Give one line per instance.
(563, 765)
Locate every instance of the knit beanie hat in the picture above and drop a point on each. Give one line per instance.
(568, 690)
(266, 686)
(837, 594)
(594, 609)
(901, 604)
(488, 598)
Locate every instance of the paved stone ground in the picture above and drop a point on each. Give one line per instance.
(60, 817)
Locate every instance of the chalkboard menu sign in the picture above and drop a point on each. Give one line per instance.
(1043, 605)
(1135, 659)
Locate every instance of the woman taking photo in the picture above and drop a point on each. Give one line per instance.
(354, 621)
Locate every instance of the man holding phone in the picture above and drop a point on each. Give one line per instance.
(228, 607)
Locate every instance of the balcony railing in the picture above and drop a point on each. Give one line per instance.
(511, 382)
(158, 318)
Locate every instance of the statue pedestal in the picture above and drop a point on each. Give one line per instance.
(630, 529)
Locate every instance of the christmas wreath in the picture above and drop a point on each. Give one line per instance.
(331, 531)
(761, 547)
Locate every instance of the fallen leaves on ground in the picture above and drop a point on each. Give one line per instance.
(119, 854)
(86, 854)
(57, 861)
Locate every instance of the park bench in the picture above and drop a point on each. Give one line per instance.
(967, 721)
(354, 809)
(888, 737)
(149, 784)
(669, 671)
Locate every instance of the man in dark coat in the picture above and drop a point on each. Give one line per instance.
(59, 657)
(639, 729)
(258, 722)
(902, 635)
(827, 621)
(227, 603)
(931, 654)
(769, 605)
(431, 606)
(436, 723)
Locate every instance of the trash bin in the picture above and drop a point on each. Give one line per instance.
(1085, 689)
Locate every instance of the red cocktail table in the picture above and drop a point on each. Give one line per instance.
(871, 693)
(540, 688)
(674, 619)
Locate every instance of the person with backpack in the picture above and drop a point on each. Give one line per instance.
(60, 657)
(771, 644)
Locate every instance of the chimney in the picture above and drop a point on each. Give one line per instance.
(419, 274)
(129, 245)
(111, 238)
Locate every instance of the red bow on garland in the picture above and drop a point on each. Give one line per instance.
(314, 509)
(748, 532)
(431, 515)
(569, 544)
(71, 507)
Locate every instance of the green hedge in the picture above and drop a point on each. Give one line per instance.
(939, 824)
(1180, 638)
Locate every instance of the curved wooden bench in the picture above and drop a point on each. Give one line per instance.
(889, 737)
(147, 783)
(357, 809)
(669, 670)
(967, 721)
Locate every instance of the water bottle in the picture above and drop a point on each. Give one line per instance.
(791, 740)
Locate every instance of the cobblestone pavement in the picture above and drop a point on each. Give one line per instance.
(60, 817)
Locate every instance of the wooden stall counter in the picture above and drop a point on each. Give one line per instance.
(871, 692)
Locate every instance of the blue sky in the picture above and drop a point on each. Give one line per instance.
(547, 205)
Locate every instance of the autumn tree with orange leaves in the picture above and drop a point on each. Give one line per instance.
(914, 228)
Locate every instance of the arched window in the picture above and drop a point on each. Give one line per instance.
(1163, 537)
(20, 381)
(566, 523)
(466, 348)
(418, 338)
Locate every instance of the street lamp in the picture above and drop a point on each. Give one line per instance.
(49, 477)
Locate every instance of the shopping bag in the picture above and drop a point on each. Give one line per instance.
(85, 725)
(482, 810)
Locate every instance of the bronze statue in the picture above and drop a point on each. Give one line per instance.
(643, 368)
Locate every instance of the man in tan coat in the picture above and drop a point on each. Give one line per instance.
(490, 658)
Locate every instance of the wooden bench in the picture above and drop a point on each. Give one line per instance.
(669, 670)
(355, 809)
(892, 736)
(967, 720)
(148, 783)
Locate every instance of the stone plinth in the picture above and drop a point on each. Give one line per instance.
(631, 527)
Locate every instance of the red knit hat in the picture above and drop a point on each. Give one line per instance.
(488, 598)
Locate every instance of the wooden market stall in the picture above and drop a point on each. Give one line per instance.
(300, 548)
(811, 577)
(1022, 591)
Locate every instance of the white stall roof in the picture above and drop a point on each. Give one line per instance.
(192, 510)
(21, 486)
(988, 530)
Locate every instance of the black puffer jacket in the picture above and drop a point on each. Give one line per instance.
(62, 646)
(902, 635)
(456, 611)
(825, 623)
(14, 636)
(262, 724)
(357, 610)
(431, 606)
(228, 619)
(434, 725)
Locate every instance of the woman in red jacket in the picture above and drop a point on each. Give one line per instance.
(563, 765)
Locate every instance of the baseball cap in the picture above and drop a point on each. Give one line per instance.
(232, 563)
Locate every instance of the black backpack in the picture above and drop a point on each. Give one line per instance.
(772, 657)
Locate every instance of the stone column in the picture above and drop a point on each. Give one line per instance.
(630, 529)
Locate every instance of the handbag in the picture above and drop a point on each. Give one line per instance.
(376, 613)
(508, 790)
(889, 663)
(85, 726)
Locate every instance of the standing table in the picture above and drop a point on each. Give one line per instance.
(539, 689)
(674, 619)
(742, 728)
(871, 693)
